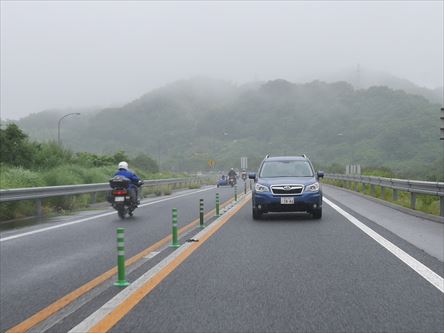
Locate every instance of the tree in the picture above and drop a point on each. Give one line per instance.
(15, 148)
(145, 163)
(120, 156)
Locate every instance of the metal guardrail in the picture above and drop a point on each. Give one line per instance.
(414, 187)
(39, 193)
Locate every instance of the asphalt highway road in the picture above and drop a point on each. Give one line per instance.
(37, 269)
(285, 272)
(291, 273)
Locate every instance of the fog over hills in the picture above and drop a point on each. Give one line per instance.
(361, 77)
(186, 123)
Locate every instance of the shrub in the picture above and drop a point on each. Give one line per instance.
(16, 177)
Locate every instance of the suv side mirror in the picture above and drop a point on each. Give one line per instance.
(320, 174)
(252, 175)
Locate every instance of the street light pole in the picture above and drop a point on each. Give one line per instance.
(59, 141)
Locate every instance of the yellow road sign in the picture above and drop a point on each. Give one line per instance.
(211, 163)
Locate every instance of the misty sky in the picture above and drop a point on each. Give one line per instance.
(79, 54)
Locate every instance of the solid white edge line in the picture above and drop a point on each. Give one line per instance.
(436, 280)
(88, 323)
(94, 217)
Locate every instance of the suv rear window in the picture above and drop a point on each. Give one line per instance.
(293, 168)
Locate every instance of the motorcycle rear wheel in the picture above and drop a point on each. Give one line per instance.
(121, 212)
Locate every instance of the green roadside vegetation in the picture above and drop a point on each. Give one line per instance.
(424, 203)
(187, 123)
(25, 163)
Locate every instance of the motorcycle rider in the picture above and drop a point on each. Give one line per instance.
(232, 174)
(132, 188)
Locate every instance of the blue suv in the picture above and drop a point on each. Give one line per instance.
(287, 184)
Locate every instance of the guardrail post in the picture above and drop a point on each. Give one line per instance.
(217, 204)
(174, 242)
(441, 205)
(235, 193)
(382, 192)
(395, 195)
(121, 280)
(201, 213)
(372, 190)
(38, 207)
(413, 200)
(93, 197)
(355, 186)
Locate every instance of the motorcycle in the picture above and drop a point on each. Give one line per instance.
(120, 196)
(232, 181)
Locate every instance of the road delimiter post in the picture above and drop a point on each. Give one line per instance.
(121, 281)
(175, 242)
(235, 193)
(201, 213)
(245, 187)
(217, 204)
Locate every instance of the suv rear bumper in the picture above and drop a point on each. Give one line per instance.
(267, 202)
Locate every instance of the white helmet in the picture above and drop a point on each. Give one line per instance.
(123, 165)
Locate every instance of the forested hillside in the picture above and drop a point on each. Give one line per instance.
(184, 124)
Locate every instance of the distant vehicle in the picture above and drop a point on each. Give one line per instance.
(223, 181)
(120, 197)
(287, 184)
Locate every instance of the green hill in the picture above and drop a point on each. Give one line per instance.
(185, 124)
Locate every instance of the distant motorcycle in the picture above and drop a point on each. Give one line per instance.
(232, 181)
(120, 197)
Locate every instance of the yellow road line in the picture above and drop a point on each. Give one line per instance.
(72, 296)
(123, 308)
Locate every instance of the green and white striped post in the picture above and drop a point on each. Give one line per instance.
(121, 281)
(217, 204)
(201, 213)
(175, 242)
(235, 193)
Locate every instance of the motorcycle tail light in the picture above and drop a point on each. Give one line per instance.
(120, 192)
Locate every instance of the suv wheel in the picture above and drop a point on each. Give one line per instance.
(317, 213)
(256, 214)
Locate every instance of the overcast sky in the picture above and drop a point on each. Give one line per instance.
(78, 54)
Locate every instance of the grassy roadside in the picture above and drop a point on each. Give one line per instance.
(68, 175)
(424, 203)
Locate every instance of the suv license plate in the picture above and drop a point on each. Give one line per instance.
(287, 201)
(119, 199)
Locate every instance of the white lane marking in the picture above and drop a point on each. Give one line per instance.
(417, 266)
(95, 217)
(152, 255)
